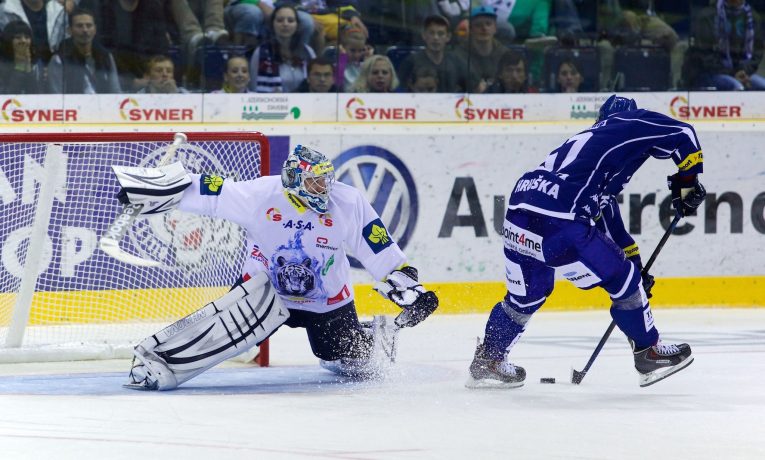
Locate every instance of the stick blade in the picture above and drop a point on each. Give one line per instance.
(112, 248)
(577, 376)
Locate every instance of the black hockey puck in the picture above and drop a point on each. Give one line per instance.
(547, 380)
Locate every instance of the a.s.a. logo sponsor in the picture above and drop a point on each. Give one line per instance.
(194, 244)
(388, 185)
(274, 215)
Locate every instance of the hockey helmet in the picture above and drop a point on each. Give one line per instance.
(615, 104)
(309, 175)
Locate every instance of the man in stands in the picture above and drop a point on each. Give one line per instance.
(321, 77)
(82, 66)
(483, 50)
(451, 69)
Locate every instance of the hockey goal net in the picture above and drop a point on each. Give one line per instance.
(61, 297)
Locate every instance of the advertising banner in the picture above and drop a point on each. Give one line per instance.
(443, 198)
(254, 109)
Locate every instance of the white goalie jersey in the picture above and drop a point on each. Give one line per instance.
(302, 251)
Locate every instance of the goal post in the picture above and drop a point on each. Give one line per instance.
(61, 296)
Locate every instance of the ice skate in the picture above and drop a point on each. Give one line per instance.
(660, 361)
(488, 373)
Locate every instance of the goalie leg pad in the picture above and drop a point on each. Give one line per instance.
(244, 317)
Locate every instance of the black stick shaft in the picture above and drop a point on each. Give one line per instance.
(578, 376)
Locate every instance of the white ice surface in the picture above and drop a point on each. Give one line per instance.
(714, 409)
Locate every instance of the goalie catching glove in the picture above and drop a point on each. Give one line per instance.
(158, 189)
(687, 193)
(402, 288)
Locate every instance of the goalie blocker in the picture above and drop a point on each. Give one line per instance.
(241, 319)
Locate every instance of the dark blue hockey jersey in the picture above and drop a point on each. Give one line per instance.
(601, 160)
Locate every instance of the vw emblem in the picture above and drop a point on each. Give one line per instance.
(386, 182)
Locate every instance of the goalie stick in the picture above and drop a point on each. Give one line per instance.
(109, 243)
(578, 376)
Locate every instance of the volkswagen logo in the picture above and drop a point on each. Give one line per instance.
(386, 182)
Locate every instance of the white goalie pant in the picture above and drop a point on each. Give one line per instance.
(222, 329)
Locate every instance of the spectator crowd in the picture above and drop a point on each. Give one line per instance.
(446, 46)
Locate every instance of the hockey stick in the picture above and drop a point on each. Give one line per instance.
(109, 243)
(578, 376)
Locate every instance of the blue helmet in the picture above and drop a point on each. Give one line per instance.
(309, 175)
(615, 104)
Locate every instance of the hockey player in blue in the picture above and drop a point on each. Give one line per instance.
(563, 215)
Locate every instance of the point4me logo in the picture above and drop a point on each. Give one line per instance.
(131, 111)
(466, 110)
(387, 184)
(679, 108)
(356, 109)
(14, 112)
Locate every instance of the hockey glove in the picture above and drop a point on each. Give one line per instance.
(158, 189)
(402, 288)
(687, 193)
(647, 279)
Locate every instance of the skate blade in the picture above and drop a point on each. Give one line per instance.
(490, 384)
(652, 377)
(141, 386)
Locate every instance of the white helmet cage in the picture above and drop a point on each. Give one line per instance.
(302, 173)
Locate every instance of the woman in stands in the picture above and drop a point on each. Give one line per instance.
(20, 73)
(377, 76)
(237, 76)
(280, 64)
(568, 77)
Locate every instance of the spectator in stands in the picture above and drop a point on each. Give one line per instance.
(236, 79)
(20, 71)
(634, 23)
(46, 18)
(483, 50)
(353, 50)
(281, 63)
(512, 75)
(321, 77)
(199, 20)
(451, 70)
(133, 31)
(424, 79)
(160, 74)
(332, 16)
(82, 66)
(569, 78)
(377, 76)
(248, 19)
(728, 48)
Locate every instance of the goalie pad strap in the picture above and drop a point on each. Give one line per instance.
(222, 329)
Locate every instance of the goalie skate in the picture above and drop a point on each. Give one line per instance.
(489, 373)
(381, 358)
(658, 362)
(149, 374)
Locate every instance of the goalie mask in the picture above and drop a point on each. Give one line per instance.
(615, 104)
(309, 175)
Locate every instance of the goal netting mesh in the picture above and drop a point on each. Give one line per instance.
(61, 297)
